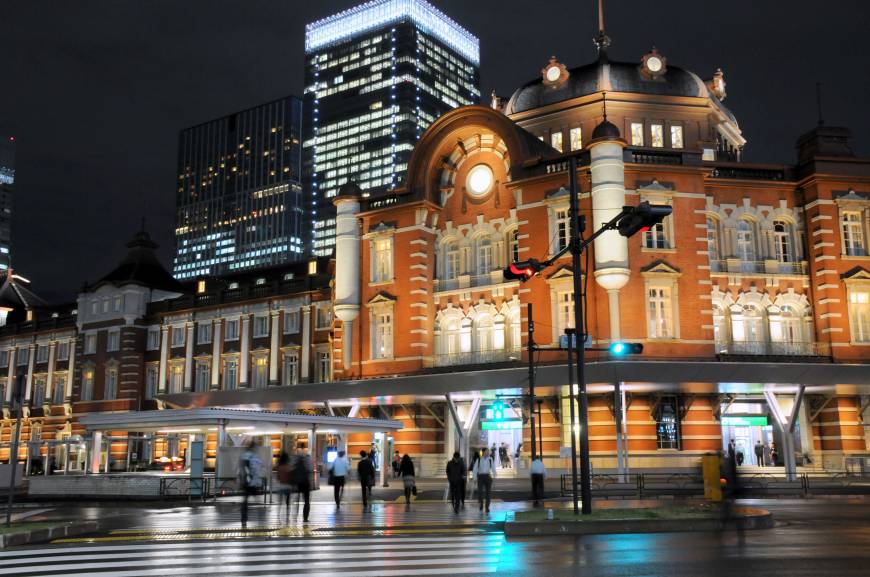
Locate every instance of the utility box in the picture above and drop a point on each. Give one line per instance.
(711, 465)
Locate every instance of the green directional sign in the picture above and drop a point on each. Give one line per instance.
(502, 425)
(748, 421)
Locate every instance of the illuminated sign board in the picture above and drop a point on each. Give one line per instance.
(503, 425)
(756, 421)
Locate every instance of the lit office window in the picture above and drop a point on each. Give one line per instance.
(661, 313)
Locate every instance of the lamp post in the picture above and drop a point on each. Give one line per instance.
(13, 455)
(571, 333)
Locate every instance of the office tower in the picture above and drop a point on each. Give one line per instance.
(239, 194)
(376, 76)
(7, 182)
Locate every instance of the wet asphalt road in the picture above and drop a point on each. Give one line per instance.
(811, 538)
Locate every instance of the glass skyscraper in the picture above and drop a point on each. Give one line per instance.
(7, 181)
(376, 76)
(239, 192)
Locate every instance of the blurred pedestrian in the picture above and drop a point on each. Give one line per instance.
(538, 473)
(284, 470)
(774, 455)
(406, 471)
(366, 472)
(484, 472)
(456, 474)
(301, 472)
(759, 453)
(337, 473)
(397, 460)
(250, 476)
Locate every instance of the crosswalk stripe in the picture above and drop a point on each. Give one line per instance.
(331, 565)
(248, 545)
(171, 563)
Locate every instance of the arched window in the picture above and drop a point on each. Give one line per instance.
(451, 260)
(786, 327)
(484, 255)
(513, 246)
(745, 240)
(465, 336)
(498, 333)
(713, 239)
(720, 328)
(782, 241)
(484, 327)
(747, 326)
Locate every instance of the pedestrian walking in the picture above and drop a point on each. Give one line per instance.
(284, 477)
(732, 448)
(538, 473)
(301, 472)
(250, 476)
(456, 474)
(484, 472)
(365, 470)
(397, 460)
(337, 473)
(493, 452)
(774, 455)
(406, 471)
(759, 454)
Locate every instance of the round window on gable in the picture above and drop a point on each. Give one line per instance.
(480, 180)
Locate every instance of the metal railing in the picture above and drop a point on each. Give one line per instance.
(758, 266)
(469, 281)
(205, 487)
(786, 349)
(645, 485)
(477, 357)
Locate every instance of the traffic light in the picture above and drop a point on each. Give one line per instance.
(523, 270)
(498, 408)
(641, 218)
(620, 349)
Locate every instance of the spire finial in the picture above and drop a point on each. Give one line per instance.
(602, 41)
(604, 104)
(819, 102)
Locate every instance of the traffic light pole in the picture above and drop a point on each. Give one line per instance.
(571, 335)
(576, 249)
(531, 349)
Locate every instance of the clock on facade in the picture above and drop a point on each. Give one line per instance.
(554, 73)
(653, 64)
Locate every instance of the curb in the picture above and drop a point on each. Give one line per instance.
(47, 534)
(751, 520)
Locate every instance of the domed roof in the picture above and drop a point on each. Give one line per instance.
(606, 130)
(349, 188)
(606, 76)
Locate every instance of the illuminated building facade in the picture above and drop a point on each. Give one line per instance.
(239, 195)
(376, 77)
(7, 182)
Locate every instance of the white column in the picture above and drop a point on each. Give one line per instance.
(613, 303)
(29, 383)
(244, 349)
(70, 372)
(96, 451)
(188, 357)
(164, 358)
(273, 349)
(49, 385)
(305, 357)
(217, 339)
(10, 380)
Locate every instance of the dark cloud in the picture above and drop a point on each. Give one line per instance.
(96, 91)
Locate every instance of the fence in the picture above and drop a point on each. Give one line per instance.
(205, 487)
(646, 485)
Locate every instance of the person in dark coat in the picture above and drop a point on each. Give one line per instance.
(406, 471)
(456, 474)
(366, 472)
(300, 475)
(759, 454)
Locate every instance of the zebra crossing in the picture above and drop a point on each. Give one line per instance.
(381, 556)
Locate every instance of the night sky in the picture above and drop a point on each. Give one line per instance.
(96, 92)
